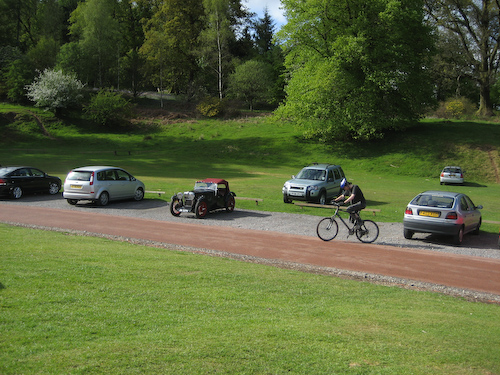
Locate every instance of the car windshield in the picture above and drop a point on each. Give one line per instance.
(79, 175)
(200, 185)
(312, 174)
(429, 200)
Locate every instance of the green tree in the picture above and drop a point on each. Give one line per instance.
(357, 68)
(97, 30)
(476, 23)
(222, 21)
(171, 38)
(54, 90)
(251, 82)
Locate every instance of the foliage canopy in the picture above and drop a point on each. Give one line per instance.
(357, 68)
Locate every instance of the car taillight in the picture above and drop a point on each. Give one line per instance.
(452, 216)
(442, 174)
(2, 181)
(408, 211)
(92, 179)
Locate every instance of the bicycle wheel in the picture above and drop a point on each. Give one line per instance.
(368, 231)
(327, 229)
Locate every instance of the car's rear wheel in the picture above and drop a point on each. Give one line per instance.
(174, 207)
(103, 199)
(201, 209)
(17, 192)
(459, 237)
(54, 188)
(72, 201)
(408, 234)
(230, 203)
(139, 194)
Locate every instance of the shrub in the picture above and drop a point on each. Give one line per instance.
(211, 107)
(55, 90)
(107, 107)
(456, 108)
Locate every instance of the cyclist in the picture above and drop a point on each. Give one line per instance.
(356, 198)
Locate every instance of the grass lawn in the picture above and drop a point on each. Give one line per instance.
(80, 305)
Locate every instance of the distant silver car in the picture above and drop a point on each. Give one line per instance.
(101, 184)
(442, 212)
(451, 175)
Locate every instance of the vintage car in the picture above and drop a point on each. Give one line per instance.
(208, 195)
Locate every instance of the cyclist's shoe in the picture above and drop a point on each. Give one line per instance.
(351, 231)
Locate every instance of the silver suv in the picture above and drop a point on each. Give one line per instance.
(316, 183)
(101, 184)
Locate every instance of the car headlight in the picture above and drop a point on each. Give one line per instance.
(189, 195)
(311, 188)
(179, 196)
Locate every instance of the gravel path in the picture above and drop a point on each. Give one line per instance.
(484, 245)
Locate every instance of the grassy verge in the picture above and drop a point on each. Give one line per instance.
(74, 305)
(257, 155)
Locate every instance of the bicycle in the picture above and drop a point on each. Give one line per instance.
(366, 231)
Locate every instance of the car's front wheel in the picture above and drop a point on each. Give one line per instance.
(174, 207)
(17, 192)
(54, 188)
(286, 199)
(230, 203)
(322, 198)
(103, 199)
(139, 194)
(201, 209)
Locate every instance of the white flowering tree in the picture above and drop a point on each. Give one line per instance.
(55, 90)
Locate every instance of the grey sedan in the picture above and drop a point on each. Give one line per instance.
(444, 213)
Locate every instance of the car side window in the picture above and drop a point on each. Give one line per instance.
(337, 174)
(122, 175)
(100, 176)
(36, 172)
(463, 204)
(330, 175)
(23, 172)
(109, 175)
(471, 205)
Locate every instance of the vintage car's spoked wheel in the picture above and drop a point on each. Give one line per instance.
(230, 204)
(201, 209)
(174, 207)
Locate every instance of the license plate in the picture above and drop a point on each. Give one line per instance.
(296, 194)
(429, 213)
(75, 186)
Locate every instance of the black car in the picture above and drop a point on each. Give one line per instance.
(16, 181)
(208, 195)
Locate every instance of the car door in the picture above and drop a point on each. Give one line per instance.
(22, 177)
(38, 182)
(124, 185)
(472, 215)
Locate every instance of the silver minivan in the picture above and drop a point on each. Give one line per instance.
(101, 184)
